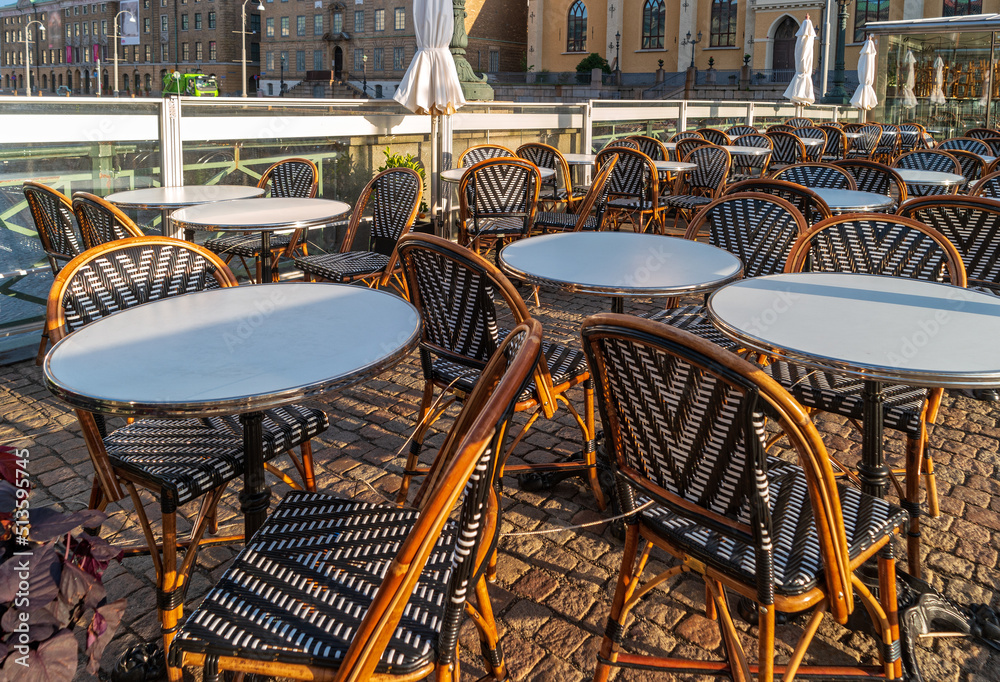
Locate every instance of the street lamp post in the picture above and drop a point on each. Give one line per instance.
(364, 73)
(281, 85)
(114, 42)
(692, 43)
(243, 36)
(27, 53)
(837, 94)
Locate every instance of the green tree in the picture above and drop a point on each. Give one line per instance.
(593, 61)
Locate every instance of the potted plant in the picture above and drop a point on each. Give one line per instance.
(422, 223)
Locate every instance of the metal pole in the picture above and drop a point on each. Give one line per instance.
(827, 28)
(114, 45)
(243, 42)
(837, 94)
(27, 61)
(98, 76)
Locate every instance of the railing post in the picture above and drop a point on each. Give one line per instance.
(171, 151)
(750, 114)
(682, 120)
(588, 127)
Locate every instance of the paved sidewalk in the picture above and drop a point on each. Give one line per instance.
(553, 590)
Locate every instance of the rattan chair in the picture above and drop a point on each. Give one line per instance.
(685, 432)
(393, 197)
(966, 144)
(697, 188)
(864, 147)
(349, 590)
(877, 244)
(625, 142)
(800, 122)
(911, 137)
(870, 176)
(930, 160)
(497, 200)
(806, 201)
(633, 190)
(715, 136)
(780, 128)
(836, 143)
(739, 131)
(686, 146)
(836, 124)
(981, 133)
(746, 166)
(176, 460)
(988, 187)
(294, 177)
(757, 228)
(482, 152)
(787, 149)
(823, 175)
(52, 213)
(651, 147)
(591, 211)
(559, 189)
(685, 135)
(973, 166)
(813, 152)
(994, 144)
(101, 221)
(454, 290)
(888, 144)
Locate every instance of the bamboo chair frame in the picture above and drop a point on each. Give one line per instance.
(121, 226)
(561, 167)
(817, 168)
(483, 152)
(859, 168)
(647, 213)
(471, 215)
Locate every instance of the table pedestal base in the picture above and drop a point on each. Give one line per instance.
(872, 471)
(256, 493)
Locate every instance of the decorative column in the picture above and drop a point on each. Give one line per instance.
(837, 94)
(473, 87)
(536, 35)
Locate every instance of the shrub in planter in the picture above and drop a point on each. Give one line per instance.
(591, 62)
(406, 161)
(50, 583)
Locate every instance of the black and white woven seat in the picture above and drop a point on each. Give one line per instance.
(822, 175)
(295, 177)
(685, 430)
(498, 200)
(787, 149)
(697, 188)
(563, 222)
(988, 187)
(806, 201)
(179, 461)
(694, 319)
(715, 136)
(393, 197)
(101, 221)
(929, 160)
(651, 147)
(911, 137)
(888, 144)
(739, 131)
(973, 165)
(881, 245)
(813, 152)
(982, 133)
(800, 122)
(454, 289)
(686, 135)
(871, 176)
(836, 147)
(966, 144)
(329, 583)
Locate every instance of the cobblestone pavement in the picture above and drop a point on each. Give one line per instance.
(553, 590)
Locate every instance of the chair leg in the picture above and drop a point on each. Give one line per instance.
(916, 459)
(43, 346)
(309, 474)
(590, 447)
(615, 629)
(489, 638)
(765, 642)
(889, 600)
(418, 440)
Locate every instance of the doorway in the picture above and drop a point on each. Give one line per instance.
(783, 56)
(338, 62)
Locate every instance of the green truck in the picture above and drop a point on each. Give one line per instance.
(190, 84)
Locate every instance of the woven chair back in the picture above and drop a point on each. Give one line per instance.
(52, 213)
(806, 201)
(101, 221)
(126, 273)
(757, 228)
(715, 136)
(929, 160)
(878, 244)
(972, 225)
(685, 425)
(392, 197)
(713, 168)
(295, 178)
(747, 163)
(994, 144)
(482, 152)
(651, 147)
(499, 188)
(823, 175)
(787, 148)
(685, 147)
(973, 166)
(547, 156)
(799, 122)
(889, 142)
(853, 127)
(911, 137)
(596, 200)
(868, 142)
(813, 152)
(685, 135)
(981, 133)
(739, 131)
(834, 141)
(988, 187)
(870, 176)
(634, 175)
(966, 144)
(780, 128)
(835, 124)
(626, 142)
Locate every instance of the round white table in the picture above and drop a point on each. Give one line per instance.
(619, 264)
(263, 215)
(229, 351)
(882, 329)
(674, 166)
(454, 175)
(923, 178)
(166, 199)
(580, 159)
(850, 201)
(811, 141)
(747, 151)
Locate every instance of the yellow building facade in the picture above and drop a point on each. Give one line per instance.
(642, 32)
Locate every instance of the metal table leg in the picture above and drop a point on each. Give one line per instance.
(256, 493)
(872, 471)
(265, 256)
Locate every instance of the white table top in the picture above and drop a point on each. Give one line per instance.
(159, 198)
(810, 141)
(260, 214)
(747, 151)
(851, 135)
(881, 328)
(922, 177)
(620, 263)
(670, 145)
(674, 166)
(232, 350)
(455, 174)
(844, 200)
(580, 159)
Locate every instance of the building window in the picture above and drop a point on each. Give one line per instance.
(380, 20)
(149, 53)
(185, 52)
(359, 60)
(270, 61)
(145, 25)
(398, 56)
(317, 24)
(399, 19)
(254, 52)
(878, 10)
(163, 23)
(269, 27)
(300, 60)
(285, 27)
(379, 63)
(961, 8)
(254, 20)
(211, 19)
(184, 22)
(576, 28)
(199, 54)
(212, 52)
(317, 60)
(359, 21)
(197, 21)
(300, 25)
(494, 61)
(338, 23)
(164, 53)
(653, 13)
(723, 33)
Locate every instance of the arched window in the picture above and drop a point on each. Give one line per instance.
(723, 23)
(576, 28)
(653, 13)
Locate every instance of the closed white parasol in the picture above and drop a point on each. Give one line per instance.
(937, 93)
(800, 90)
(909, 99)
(864, 96)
